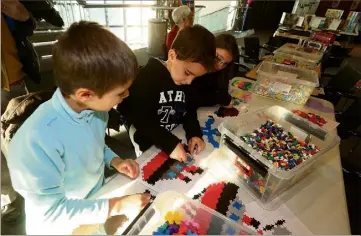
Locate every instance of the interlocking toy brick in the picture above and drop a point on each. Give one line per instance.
(210, 132)
(162, 167)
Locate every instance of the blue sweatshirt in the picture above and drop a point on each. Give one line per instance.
(56, 161)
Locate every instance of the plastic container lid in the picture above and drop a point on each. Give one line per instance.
(297, 52)
(272, 70)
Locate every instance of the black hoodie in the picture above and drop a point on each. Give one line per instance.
(156, 106)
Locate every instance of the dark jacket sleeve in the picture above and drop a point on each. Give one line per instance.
(43, 9)
(143, 96)
(24, 29)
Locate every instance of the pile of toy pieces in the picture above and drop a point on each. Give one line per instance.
(313, 118)
(176, 225)
(299, 93)
(279, 147)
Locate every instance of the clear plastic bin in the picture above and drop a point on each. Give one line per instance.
(209, 220)
(285, 83)
(260, 176)
(295, 55)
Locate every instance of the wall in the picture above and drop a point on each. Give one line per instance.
(212, 6)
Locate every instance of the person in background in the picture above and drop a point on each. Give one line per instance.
(19, 63)
(182, 17)
(158, 101)
(212, 88)
(57, 157)
(16, 25)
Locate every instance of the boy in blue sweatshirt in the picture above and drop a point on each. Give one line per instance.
(57, 157)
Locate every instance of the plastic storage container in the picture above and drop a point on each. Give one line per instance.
(256, 172)
(210, 221)
(294, 55)
(285, 83)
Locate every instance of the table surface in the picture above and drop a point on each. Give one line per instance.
(252, 74)
(318, 201)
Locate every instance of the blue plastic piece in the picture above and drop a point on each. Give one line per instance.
(178, 166)
(234, 217)
(191, 233)
(237, 205)
(171, 174)
(160, 231)
(230, 231)
(209, 132)
(189, 159)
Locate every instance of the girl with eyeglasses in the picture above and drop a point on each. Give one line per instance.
(212, 88)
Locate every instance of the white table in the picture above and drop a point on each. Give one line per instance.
(318, 201)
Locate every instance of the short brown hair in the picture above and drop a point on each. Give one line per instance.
(89, 56)
(196, 44)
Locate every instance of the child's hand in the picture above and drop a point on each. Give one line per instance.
(128, 167)
(128, 203)
(196, 143)
(178, 153)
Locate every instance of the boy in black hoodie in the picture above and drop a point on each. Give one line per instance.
(158, 99)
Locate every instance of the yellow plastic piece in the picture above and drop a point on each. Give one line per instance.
(261, 189)
(174, 217)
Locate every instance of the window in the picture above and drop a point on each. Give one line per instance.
(115, 16)
(118, 31)
(129, 24)
(97, 15)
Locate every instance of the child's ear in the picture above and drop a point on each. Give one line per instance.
(172, 55)
(83, 94)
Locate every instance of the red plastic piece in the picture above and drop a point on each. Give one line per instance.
(153, 165)
(246, 219)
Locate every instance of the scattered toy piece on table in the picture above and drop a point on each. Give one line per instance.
(279, 147)
(227, 112)
(315, 119)
(210, 132)
(236, 101)
(255, 224)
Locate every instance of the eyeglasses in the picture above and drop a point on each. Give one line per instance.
(221, 61)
